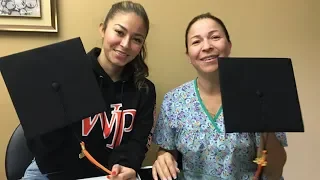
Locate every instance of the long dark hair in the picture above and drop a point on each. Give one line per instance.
(137, 65)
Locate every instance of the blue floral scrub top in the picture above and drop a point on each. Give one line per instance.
(185, 125)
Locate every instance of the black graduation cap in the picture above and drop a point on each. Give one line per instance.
(51, 86)
(259, 95)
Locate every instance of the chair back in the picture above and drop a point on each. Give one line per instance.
(18, 156)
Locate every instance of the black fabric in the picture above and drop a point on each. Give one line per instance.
(259, 95)
(145, 173)
(117, 134)
(51, 86)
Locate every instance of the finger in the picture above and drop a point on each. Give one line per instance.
(154, 172)
(110, 177)
(127, 174)
(116, 169)
(122, 176)
(165, 170)
(172, 165)
(160, 170)
(177, 169)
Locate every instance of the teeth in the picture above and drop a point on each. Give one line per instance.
(208, 58)
(121, 53)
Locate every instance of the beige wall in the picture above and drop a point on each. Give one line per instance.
(257, 28)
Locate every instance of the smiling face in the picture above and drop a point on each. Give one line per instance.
(206, 41)
(123, 38)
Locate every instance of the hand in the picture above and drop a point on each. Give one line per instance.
(165, 166)
(122, 173)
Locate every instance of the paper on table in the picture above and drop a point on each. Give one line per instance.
(101, 178)
(105, 177)
(96, 178)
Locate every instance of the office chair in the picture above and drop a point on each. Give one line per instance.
(18, 157)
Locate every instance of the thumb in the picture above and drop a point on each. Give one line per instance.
(177, 168)
(116, 169)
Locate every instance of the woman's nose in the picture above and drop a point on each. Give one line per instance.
(207, 45)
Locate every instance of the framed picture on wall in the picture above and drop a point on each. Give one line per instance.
(28, 15)
(21, 8)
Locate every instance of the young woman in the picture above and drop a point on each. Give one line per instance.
(191, 123)
(119, 137)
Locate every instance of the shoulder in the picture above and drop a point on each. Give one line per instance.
(176, 98)
(94, 52)
(148, 90)
(182, 91)
(149, 83)
(149, 87)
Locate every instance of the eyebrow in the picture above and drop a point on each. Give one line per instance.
(198, 36)
(125, 29)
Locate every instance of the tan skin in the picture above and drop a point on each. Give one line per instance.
(206, 42)
(123, 39)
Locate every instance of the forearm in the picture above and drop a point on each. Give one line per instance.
(130, 155)
(276, 158)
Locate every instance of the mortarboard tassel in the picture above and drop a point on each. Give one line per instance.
(85, 153)
(261, 163)
(262, 160)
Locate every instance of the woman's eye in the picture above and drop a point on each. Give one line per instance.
(119, 32)
(195, 42)
(215, 37)
(138, 40)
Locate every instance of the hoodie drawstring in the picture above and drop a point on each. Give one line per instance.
(121, 99)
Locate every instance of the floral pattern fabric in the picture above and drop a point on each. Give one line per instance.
(207, 152)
